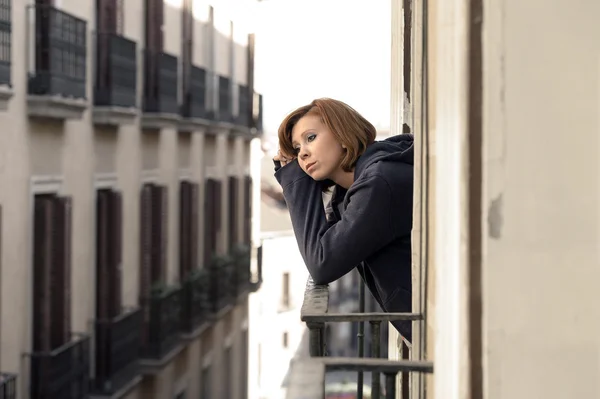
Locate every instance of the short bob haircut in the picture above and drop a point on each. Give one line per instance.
(349, 127)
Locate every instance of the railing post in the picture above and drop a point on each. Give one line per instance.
(376, 353)
(316, 339)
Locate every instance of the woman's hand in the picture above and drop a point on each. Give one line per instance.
(282, 159)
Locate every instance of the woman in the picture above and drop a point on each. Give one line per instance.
(329, 143)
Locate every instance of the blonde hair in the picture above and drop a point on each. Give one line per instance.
(349, 128)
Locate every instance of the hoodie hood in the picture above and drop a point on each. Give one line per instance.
(397, 148)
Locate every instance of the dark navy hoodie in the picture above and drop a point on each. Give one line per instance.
(371, 224)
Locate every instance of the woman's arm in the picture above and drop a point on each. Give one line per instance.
(330, 250)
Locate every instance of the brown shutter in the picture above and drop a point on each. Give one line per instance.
(218, 204)
(106, 16)
(145, 240)
(163, 227)
(233, 211)
(156, 274)
(61, 273)
(102, 251)
(247, 210)
(194, 221)
(187, 27)
(209, 215)
(116, 253)
(42, 261)
(154, 25)
(184, 229)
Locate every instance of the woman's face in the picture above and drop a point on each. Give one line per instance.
(319, 153)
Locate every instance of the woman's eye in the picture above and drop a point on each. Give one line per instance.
(311, 137)
(296, 151)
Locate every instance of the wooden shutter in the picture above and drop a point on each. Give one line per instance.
(145, 240)
(194, 218)
(184, 229)
(102, 250)
(247, 210)
(233, 211)
(61, 273)
(106, 16)
(42, 261)
(187, 34)
(154, 25)
(208, 221)
(157, 227)
(116, 254)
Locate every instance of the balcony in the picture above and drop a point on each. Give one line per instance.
(194, 108)
(5, 53)
(224, 112)
(115, 86)
(257, 113)
(244, 116)
(220, 295)
(117, 353)
(195, 310)
(242, 260)
(314, 313)
(63, 372)
(57, 81)
(160, 104)
(8, 386)
(160, 336)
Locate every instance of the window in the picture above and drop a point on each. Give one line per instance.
(187, 42)
(227, 368)
(205, 387)
(51, 272)
(188, 228)
(153, 236)
(285, 298)
(108, 253)
(247, 210)
(212, 218)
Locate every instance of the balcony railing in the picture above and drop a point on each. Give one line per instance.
(220, 294)
(5, 43)
(116, 71)
(244, 106)
(257, 112)
(162, 314)
(161, 73)
(195, 308)
(8, 386)
(117, 351)
(225, 111)
(194, 102)
(314, 313)
(63, 372)
(60, 44)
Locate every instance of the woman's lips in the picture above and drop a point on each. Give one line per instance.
(310, 166)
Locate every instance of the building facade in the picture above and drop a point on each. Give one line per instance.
(126, 188)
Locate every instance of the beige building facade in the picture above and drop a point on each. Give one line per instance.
(126, 189)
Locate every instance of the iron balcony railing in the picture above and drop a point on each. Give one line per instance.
(220, 294)
(195, 304)
(161, 72)
(194, 100)
(225, 101)
(60, 53)
(116, 71)
(117, 351)
(8, 386)
(63, 372)
(5, 43)
(314, 314)
(162, 318)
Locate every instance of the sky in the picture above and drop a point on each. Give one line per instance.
(307, 49)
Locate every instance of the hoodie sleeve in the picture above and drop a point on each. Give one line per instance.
(332, 249)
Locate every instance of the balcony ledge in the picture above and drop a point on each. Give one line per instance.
(190, 336)
(114, 116)
(121, 393)
(193, 124)
(152, 120)
(56, 107)
(154, 366)
(6, 94)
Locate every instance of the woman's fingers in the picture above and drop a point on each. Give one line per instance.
(281, 158)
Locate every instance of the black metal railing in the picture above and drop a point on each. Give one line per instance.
(117, 351)
(161, 73)
(195, 99)
(241, 256)
(314, 314)
(257, 112)
(60, 43)
(196, 307)
(8, 386)
(5, 43)
(220, 294)
(116, 71)
(225, 105)
(244, 106)
(162, 317)
(63, 372)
